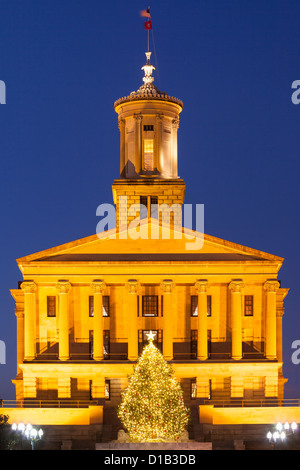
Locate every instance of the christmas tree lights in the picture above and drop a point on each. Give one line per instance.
(152, 406)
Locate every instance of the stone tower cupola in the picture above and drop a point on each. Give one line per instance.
(148, 121)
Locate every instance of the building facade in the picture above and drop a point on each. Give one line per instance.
(84, 308)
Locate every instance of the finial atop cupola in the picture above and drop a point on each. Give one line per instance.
(148, 68)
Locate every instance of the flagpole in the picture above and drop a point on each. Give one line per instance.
(149, 33)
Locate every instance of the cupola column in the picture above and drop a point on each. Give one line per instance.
(121, 124)
(138, 142)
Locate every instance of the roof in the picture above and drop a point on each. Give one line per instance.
(182, 245)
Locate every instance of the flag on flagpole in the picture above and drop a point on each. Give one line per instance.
(148, 25)
(146, 13)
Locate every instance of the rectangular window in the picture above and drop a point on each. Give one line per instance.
(194, 343)
(148, 127)
(150, 305)
(105, 306)
(107, 390)
(106, 344)
(51, 306)
(209, 389)
(91, 343)
(209, 305)
(154, 207)
(193, 389)
(248, 305)
(144, 207)
(148, 154)
(91, 305)
(194, 305)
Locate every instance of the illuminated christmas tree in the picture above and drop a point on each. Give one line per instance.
(152, 406)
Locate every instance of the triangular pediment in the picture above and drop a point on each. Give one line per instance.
(149, 241)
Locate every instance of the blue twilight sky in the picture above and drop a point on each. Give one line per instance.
(232, 63)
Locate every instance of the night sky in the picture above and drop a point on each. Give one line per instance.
(232, 63)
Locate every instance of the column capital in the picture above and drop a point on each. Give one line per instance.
(121, 124)
(29, 287)
(133, 286)
(167, 285)
(98, 286)
(271, 285)
(175, 123)
(201, 286)
(63, 286)
(138, 116)
(19, 313)
(236, 285)
(159, 116)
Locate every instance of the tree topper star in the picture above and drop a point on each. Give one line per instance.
(150, 336)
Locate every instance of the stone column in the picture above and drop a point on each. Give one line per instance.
(271, 286)
(29, 288)
(201, 287)
(98, 287)
(121, 124)
(63, 319)
(236, 287)
(133, 287)
(168, 287)
(157, 145)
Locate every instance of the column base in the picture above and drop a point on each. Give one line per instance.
(64, 358)
(236, 358)
(202, 358)
(29, 358)
(168, 358)
(98, 358)
(132, 358)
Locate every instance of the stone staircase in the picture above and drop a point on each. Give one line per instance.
(111, 424)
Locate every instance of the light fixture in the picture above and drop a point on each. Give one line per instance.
(29, 432)
(282, 431)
